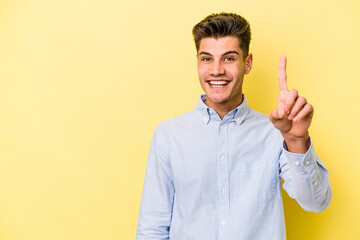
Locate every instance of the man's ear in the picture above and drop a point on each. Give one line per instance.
(248, 63)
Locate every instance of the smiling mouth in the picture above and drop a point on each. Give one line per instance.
(218, 83)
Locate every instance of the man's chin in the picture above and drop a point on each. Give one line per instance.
(216, 100)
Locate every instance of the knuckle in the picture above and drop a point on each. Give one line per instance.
(302, 99)
(294, 92)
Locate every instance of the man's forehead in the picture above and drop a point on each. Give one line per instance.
(219, 46)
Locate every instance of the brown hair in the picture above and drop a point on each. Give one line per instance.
(222, 25)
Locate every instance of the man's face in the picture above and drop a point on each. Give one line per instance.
(221, 69)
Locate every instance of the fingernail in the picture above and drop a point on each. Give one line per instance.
(295, 119)
(290, 117)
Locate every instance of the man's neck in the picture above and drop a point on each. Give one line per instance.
(222, 109)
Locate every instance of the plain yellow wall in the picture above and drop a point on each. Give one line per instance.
(84, 83)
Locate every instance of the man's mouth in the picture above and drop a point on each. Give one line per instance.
(218, 83)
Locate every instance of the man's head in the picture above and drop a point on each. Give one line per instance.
(223, 25)
(222, 42)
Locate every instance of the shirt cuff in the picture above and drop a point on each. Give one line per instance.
(307, 165)
(307, 159)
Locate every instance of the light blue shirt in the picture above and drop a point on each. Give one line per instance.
(213, 179)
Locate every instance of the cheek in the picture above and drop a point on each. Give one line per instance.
(236, 71)
(231, 71)
(202, 72)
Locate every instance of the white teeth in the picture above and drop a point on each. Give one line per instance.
(218, 82)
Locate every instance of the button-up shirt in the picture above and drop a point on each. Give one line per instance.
(220, 179)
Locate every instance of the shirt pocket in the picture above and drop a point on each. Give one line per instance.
(256, 182)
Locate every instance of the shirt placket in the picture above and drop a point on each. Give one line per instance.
(223, 181)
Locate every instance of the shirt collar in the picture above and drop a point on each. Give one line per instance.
(207, 114)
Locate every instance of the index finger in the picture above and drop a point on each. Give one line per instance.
(282, 73)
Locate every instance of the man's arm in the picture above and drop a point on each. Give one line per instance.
(306, 177)
(158, 194)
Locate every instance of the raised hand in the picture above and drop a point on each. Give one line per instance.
(293, 114)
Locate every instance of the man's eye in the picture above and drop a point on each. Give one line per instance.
(206, 59)
(229, 59)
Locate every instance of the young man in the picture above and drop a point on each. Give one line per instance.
(214, 173)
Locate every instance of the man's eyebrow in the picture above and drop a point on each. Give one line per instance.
(205, 53)
(228, 52)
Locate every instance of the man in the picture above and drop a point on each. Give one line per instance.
(214, 172)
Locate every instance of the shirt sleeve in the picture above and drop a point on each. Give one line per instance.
(306, 179)
(158, 193)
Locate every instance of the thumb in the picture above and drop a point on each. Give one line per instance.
(276, 115)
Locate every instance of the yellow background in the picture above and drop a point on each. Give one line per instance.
(84, 83)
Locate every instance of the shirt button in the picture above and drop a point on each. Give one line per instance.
(221, 127)
(223, 223)
(315, 183)
(222, 158)
(238, 119)
(307, 162)
(210, 112)
(297, 163)
(223, 190)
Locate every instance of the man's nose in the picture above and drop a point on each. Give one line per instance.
(217, 68)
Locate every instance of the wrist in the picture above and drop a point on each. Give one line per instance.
(297, 144)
